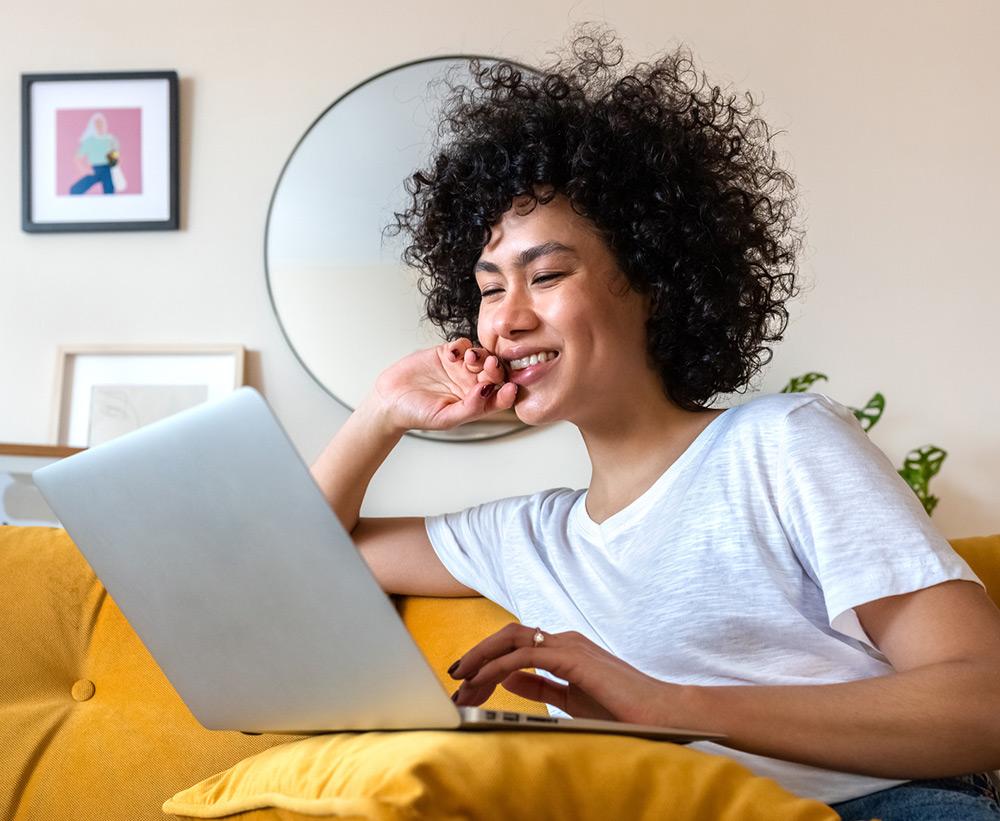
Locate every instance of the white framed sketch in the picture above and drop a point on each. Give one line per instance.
(105, 391)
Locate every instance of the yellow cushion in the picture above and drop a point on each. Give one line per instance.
(490, 775)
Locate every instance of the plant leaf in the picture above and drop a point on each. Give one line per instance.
(919, 466)
(799, 384)
(870, 413)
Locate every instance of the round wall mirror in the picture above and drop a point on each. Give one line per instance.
(347, 304)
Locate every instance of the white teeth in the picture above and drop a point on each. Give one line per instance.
(534, 359)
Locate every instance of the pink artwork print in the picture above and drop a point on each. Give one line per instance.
(98, 151)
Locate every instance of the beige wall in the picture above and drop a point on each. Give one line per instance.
(890, 133)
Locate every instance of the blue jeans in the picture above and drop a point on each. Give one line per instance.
(102, 174)
(962, 798)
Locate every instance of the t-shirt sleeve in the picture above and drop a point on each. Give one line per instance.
(478, 545)
(856, 526)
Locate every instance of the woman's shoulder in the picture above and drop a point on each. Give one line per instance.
(551, 501)
(772, 409)
(526, 515)
(780, 422)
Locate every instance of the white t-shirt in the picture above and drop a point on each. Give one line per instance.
(740, 565)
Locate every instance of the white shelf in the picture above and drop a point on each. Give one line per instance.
(21, 503)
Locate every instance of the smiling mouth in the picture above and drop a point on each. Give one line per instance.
(533, 372)
(534, 359)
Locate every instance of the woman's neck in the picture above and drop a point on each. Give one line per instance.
(629, 452)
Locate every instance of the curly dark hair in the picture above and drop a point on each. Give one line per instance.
(678, 180)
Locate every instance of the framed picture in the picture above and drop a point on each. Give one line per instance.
(99, 151)
(105, 391)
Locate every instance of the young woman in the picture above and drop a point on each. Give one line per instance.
(615, 252)
(93, 157)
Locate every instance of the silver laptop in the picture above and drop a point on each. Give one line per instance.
(210, 534)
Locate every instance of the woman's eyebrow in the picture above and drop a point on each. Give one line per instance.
(527, 256)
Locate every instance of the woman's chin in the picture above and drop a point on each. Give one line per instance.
(533, 413)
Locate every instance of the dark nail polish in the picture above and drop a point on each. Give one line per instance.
(453, 668)
(454, 696)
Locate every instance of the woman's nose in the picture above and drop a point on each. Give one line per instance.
(515, 313)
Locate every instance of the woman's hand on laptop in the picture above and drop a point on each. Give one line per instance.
(600, 685)
(442, 387)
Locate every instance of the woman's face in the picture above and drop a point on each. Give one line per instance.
(99, 125)
(567, 302)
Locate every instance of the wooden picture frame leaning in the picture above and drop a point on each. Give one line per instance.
(103, 391)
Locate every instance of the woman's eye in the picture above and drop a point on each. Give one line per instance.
(542, 278)
(545, 277)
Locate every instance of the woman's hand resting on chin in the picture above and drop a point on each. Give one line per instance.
(442, 387)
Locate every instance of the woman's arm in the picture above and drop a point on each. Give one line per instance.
(937, 715)
(397, 549)
(436, 388)
(346, 466)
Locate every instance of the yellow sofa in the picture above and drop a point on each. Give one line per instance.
(91, 729)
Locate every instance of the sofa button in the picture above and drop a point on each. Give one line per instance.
(83, 690)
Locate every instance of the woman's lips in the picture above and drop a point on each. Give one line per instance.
(531, 374)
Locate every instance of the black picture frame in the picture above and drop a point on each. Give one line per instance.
(54, 212)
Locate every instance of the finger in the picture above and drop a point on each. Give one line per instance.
(469, 696)
(487, 391)
(536, 688)
(527, 685)
(492, 371)
(558, 661)
(457, 349)
(474, 359)
(494, 367)
(477, 403)
(504, 398)
(506, 639)
(567, 698)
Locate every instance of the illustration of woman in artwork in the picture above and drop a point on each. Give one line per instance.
(97, 155)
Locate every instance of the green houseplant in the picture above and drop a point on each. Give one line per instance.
(920, 464)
